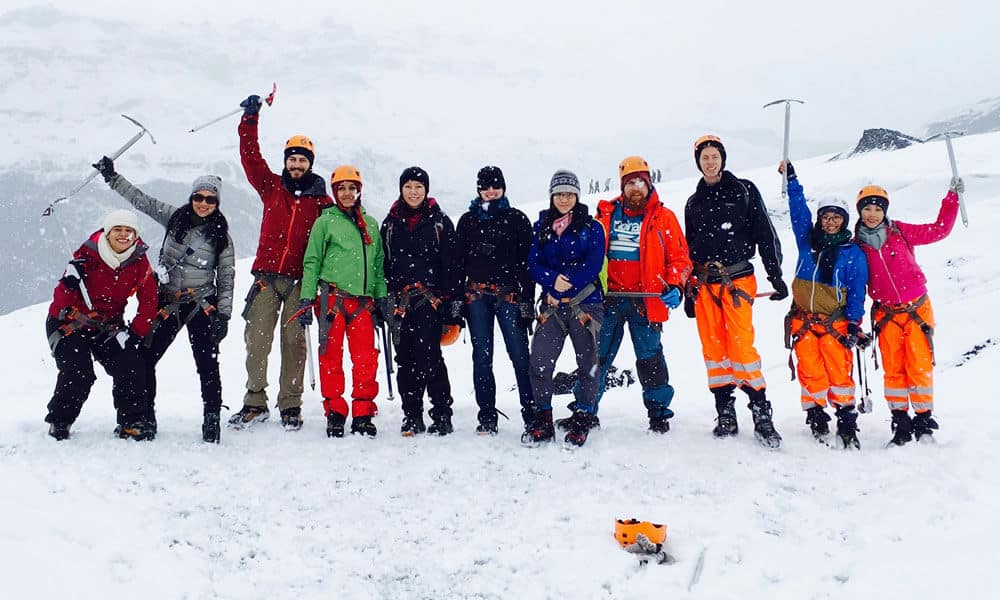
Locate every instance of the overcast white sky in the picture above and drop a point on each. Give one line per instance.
(856, 63)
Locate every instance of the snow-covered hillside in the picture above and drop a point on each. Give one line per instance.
(269, 514)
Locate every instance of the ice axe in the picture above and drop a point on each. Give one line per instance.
(309, 359)
(784, 154)
(269, 100)
(135, 138)
(947, 135)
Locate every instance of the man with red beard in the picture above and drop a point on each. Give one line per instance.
(292, 202)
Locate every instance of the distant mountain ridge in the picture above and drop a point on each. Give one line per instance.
(982, 117)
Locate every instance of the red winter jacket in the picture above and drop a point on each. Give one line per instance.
(288, 218)
(109, 289)
(663, 251)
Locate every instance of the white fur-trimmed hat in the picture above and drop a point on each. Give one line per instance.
(125, 218)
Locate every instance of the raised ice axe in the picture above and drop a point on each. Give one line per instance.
(269, 100)
(947, 135)
(784, 153)
(135, 138)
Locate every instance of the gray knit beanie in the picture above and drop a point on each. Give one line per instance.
(564, 181)
(208, 183)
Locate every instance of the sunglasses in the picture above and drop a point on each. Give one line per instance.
(207, 199)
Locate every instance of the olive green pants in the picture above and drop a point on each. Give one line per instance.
(261, 318)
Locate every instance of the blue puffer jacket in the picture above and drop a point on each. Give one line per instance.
(578, 254)
(850, 271)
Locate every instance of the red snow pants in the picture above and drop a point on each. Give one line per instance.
(360, 334)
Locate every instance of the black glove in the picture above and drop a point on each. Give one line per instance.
(780, 289)
(851, 339)
(453, 313)
(689, 306)
(790, 170)
(383, 311)
(306, 316)
(219, 329)
(73, 274)
(251, 106)
(106, 167)
(525, 315)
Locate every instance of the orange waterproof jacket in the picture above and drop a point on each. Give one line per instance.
(663, 251)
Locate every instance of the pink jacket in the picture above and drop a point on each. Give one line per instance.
(894, 277)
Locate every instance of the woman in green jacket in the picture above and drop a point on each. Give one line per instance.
(342, 279)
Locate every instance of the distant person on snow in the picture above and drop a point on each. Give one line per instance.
(423, 275)
(86, 321)
(647, 254)
(725, 222)
(292, 202)
(828, 305)
(902, 317)
(607, 184)
(493, 243)
(196, 273)
(566, 259)
(342, 279)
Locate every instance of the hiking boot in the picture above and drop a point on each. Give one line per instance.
(763, 426)
(441, 425)
(335, 425)
(659, 424)
(725, 407)
(924, 425)
(487, 428)
(412, 425)
(563, 383)
(902, 428)
(580, 425)
(540, 429)
(566, 424)
(364, 426)
(847, 427)
(138, 431)
(818, 422)
(60, 431)
(249, 415)
(210, 428)
(291, 418)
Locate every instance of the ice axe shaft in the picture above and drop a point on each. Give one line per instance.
(387, 347)
(784, 152)
(114, 156)
(309, 359)
(947, 135)
(269, 100)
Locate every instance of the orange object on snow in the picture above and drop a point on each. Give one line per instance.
(626, 531)
(449, 334)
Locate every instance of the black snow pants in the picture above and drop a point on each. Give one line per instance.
(421, 365)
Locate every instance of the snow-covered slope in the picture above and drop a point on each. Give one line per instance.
(296, 515)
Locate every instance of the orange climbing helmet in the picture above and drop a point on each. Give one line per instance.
(632, 164)
(345, 173)
(873, 194)
(301, 145)
(449, 334)
(705, 141)
(626, 531)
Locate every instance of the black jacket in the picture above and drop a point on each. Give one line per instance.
(728, 222)
(421, 248)
(495, 249)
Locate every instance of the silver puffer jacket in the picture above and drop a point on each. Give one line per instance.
(191, 263)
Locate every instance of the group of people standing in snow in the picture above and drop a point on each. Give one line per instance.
(323, 259)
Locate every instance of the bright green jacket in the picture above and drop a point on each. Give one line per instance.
(337, 254)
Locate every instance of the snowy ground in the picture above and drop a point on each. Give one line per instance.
(282, 515)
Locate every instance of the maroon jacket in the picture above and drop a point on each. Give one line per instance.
(109, 289)
(288, 217)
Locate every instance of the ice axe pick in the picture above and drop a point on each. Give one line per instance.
(947, 135)
(135, 138)
(784, 154)
(269, 100)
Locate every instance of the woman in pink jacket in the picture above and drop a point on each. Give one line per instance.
(902, 316)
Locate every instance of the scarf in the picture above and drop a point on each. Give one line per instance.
(873, 237)
(560, 224)
(485, 209)
(109, 256)
(826, 248)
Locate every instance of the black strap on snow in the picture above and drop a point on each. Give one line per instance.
(716, 272)
(910, 309)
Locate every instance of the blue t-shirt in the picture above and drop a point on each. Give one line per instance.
(623, 241)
